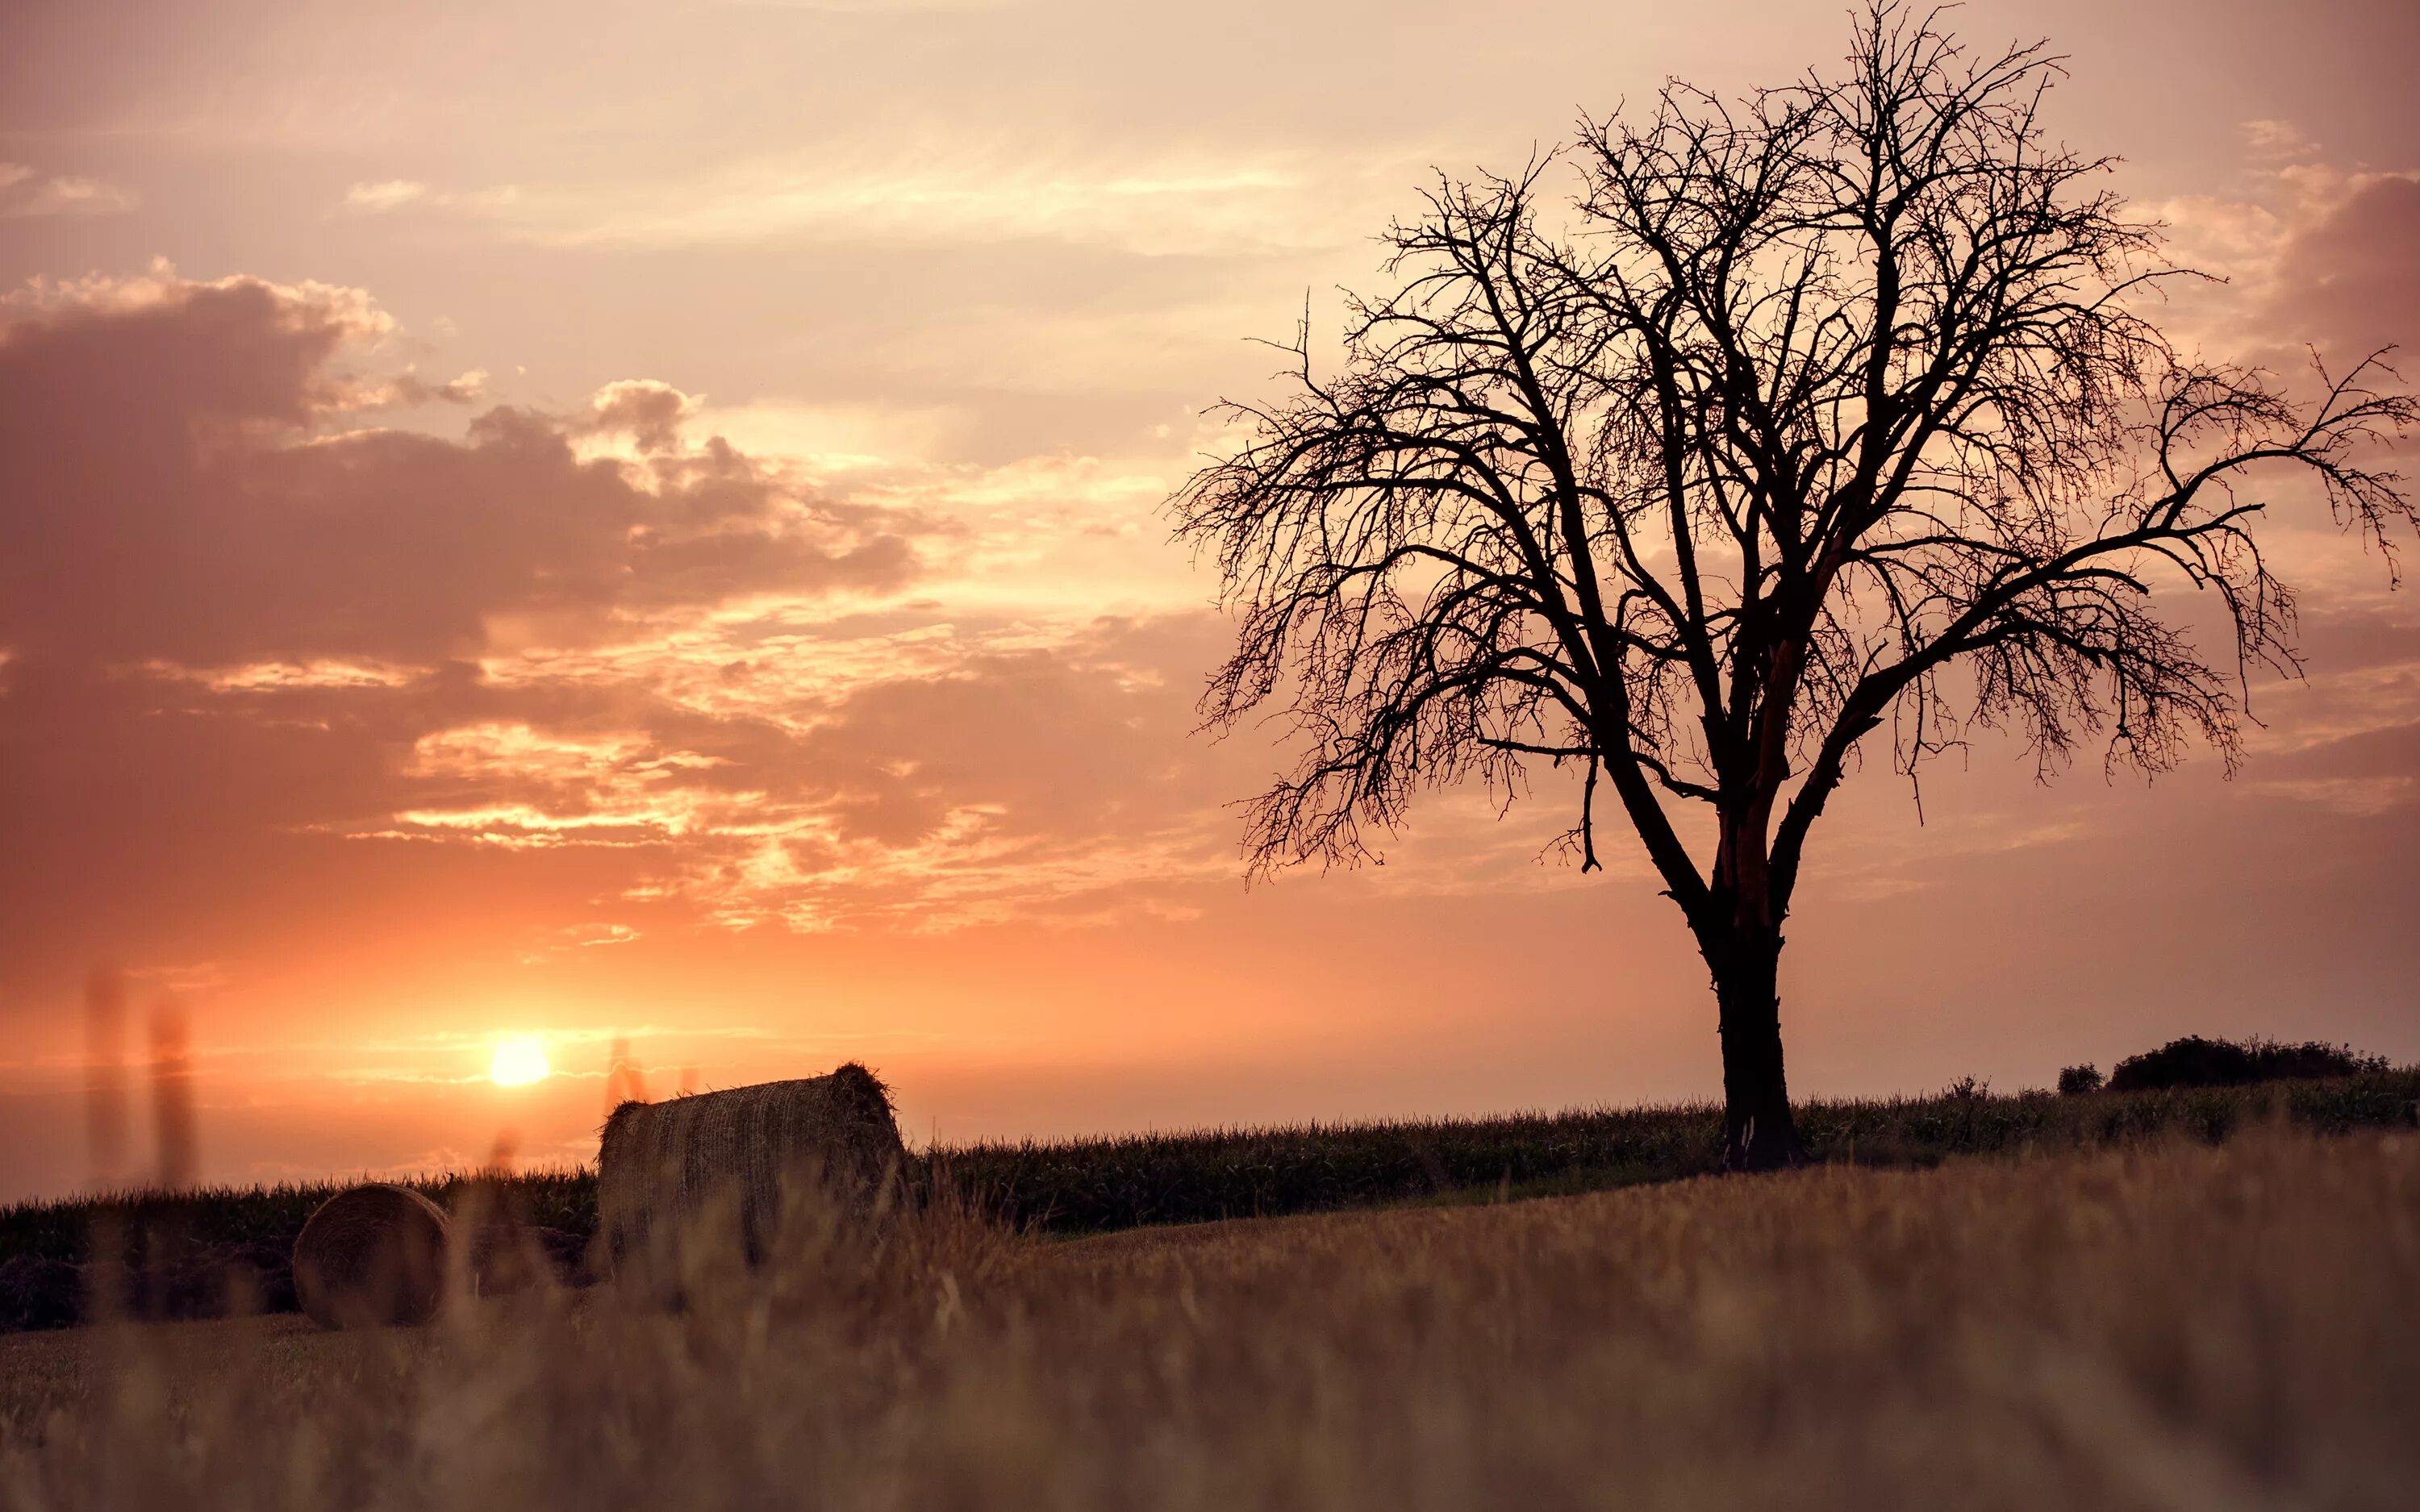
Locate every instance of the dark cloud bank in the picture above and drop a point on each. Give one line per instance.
(235, 616)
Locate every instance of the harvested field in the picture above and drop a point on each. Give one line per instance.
(191, 1242)
(1086, 1186)
(2164, 1326)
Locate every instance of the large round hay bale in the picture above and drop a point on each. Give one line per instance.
(371, 1256)
(661, 1166)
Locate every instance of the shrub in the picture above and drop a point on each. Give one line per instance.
(2194, 1061)
(2075, 1081)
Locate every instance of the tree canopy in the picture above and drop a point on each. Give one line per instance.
(1699, 451)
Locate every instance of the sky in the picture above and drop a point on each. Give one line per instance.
(606, 524)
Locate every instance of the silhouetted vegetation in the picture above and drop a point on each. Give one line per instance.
(174, 1253)
(2076, 1081)
(2194, 1061)
(207, 1252)
(1086, 1186)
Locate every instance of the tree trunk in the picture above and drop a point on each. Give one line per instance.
(1758, 1131)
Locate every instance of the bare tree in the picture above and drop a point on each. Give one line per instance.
(1832, 408)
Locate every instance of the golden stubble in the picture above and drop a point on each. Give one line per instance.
(2172, 1327)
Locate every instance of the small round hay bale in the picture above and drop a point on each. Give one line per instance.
(662, 1166)
(371, 1256)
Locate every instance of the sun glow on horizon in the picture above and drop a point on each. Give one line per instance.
(520, 1059)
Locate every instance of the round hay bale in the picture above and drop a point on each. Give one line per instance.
(660, 1164)
(371, 1256)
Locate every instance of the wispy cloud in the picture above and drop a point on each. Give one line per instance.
(381, 195)
(385, 195)
(1161, 201)
(26, 194)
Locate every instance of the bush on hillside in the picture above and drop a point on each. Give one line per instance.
(2194, 1061)
(2075, 1081)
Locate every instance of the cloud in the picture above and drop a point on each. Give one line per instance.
(851, 774)
(349, 314)
(2314, 253)
(385, 195)
(24, 194)
(1148, 201)
(654, 680)
(179, 487)
(650, 412)
(594, 643)
(2350, 277)
(382, 196)
(2276, 141)
(879, 7)
(408, 389)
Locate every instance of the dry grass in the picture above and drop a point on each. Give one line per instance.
(2175, 1326)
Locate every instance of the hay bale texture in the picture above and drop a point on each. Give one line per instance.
(662, 1165)
(371, 1256)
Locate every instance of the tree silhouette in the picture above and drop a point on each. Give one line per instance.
(1831, 408)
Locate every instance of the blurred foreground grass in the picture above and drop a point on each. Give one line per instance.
(2162, 1325)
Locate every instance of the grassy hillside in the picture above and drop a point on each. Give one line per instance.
(2162, 1326)
(184, 1244)
(1093, 1185)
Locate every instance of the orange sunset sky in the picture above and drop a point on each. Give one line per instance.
(601, 522)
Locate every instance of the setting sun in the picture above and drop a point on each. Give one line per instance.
(519, 1060)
